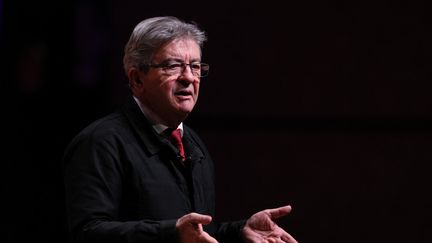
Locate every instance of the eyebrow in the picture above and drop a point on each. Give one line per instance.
(179, 60)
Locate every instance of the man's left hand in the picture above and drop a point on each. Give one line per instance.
(261, 227)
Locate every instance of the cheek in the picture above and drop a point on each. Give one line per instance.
(166, 88)
(196, 88)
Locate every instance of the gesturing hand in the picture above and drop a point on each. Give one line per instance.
(260, 228)
(190, 230)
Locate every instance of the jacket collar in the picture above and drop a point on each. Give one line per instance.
(151, 139)
(195, 153)
(153, 142)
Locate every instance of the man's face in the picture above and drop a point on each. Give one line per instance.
(171, 97)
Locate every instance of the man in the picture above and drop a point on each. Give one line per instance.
(128, 179)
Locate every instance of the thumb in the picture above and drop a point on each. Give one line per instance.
(279, 212)
(197, 218)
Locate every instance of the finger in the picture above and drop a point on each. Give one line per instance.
(288, 238)
(200, 228)
(271, 240)
(280, 241)
(206, 238)
(196, 218)
(279, 212)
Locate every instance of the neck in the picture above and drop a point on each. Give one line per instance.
(156, 119)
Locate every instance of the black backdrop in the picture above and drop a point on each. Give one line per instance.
(322, 105)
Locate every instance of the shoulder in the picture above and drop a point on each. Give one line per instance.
(109, 125)
(103, 132)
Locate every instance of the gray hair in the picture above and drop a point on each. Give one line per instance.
(150, 34)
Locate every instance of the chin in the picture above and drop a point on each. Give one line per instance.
(185, 110)
(186, 107)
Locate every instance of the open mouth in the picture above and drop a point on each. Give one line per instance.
(183, 93)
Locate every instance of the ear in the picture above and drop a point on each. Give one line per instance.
(134, 78)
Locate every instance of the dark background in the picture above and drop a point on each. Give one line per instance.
(322, 105)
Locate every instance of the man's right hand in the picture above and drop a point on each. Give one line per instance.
(190, 230)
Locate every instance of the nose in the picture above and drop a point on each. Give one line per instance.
(187, 75)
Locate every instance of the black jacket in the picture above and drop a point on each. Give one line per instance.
(125, 183)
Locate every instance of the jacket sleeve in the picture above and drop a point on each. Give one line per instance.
(230, 232)
(93, 176)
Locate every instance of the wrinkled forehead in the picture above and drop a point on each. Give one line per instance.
(180, 48)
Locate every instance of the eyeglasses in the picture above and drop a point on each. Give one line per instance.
(198, 69)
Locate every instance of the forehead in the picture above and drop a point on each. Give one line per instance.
(179, 49)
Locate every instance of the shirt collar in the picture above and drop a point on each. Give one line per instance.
(153, 118)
